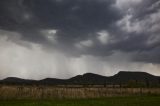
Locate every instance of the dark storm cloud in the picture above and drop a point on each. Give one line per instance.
(81, 20)
(67, 15)
(146, 8)
(74, 19)
(148, 56)
(141, 36)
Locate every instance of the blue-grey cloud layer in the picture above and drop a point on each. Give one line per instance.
(134, 29)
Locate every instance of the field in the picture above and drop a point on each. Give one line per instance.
(110, 101)
(78, 96)
(51, 92)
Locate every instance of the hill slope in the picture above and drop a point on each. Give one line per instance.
(122, 77)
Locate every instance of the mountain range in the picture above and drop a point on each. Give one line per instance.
(121, 78)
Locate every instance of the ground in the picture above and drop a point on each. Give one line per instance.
(110, 101)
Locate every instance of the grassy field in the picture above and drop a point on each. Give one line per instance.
(49, 92)
(61, 96)
(110, 101)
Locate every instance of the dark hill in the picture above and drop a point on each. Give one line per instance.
(92, 79)
(142, 77)
(88, 78)
(14, 80)
(52, 81)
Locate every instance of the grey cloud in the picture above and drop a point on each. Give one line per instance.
(148, 56)
(74, 19)
(143, 39)
(80, 20)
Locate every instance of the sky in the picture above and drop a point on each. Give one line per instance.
(64, 38)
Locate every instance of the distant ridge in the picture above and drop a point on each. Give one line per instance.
(123, 77)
